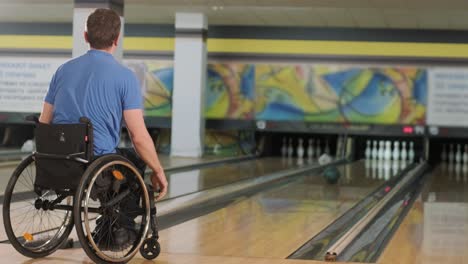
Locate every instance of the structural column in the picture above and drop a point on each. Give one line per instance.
(188, 122)
(83, 8)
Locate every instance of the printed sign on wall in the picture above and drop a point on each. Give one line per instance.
(24, 82)
(448, 96)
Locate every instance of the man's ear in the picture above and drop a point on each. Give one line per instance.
(86, 36)
(116, 41)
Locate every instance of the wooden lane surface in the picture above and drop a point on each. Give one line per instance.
(271, 224)
(199, 179)
(166, 161)
(182, 183)
(436, 227)
(77, 256)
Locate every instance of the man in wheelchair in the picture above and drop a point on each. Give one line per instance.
(98, 87)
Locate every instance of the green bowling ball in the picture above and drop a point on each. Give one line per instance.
(331, 175)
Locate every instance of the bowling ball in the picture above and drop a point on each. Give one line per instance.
(331, 175)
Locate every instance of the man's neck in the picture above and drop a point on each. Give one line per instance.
(108, 50)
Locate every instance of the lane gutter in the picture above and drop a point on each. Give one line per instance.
(338, 247)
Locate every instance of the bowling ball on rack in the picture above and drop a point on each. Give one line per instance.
(331, 175)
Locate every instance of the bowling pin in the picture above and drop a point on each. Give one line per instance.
(381, 173)
(290, 148)
(411, 152)
(284, 148)
(396, 150)
(381, 149)
(375, 150)
(465, 155)
(388, 151)
(450, 170)
(300, 149)
(465, 172)
(374, 166)
(403, 164)
(318, 148)
(403, 152)
(450, 154)
(368, 152)
(339, 144)
(367, 164)
(327, 148)
(387, 168)
(310, 149)
(123, 141)
(457, 172)
(395, 167)
(458, 155)
(443, 155)
(300, 161)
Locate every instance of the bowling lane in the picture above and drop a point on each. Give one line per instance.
(186, 182)
(272, 223)
(436, 228)
(182, 183)
(198, 179)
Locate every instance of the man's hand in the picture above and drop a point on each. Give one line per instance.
(158, 179)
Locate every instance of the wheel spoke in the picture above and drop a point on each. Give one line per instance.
(39, 232)
(110, 229)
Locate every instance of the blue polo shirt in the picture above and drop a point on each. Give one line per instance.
(98, 87)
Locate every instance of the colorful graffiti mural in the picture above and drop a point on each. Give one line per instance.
(311, 93)
(230, 91)
(393, 95)
(156, 79)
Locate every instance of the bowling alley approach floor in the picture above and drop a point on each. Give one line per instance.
(263, 228)
(78, 256)
(268, 226)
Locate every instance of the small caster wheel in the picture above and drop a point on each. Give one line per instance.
(150, 248)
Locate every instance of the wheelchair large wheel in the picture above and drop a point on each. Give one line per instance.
(32, 228)
(111, 210)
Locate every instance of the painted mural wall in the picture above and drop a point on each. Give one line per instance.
(156, 79)
(301, 92)
(323, 93)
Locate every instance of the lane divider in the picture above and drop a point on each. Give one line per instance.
(339, 246)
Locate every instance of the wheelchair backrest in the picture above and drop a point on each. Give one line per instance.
(62, 154)
(63, 139)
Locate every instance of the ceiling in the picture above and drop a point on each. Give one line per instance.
(414, 14)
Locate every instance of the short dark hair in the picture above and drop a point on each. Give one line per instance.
(103, 28)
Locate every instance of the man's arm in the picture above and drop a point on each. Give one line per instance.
(47, 113)
(144, 146)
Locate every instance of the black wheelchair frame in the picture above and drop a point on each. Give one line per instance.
(83, 158)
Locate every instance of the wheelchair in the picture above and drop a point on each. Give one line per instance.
(61, 186)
